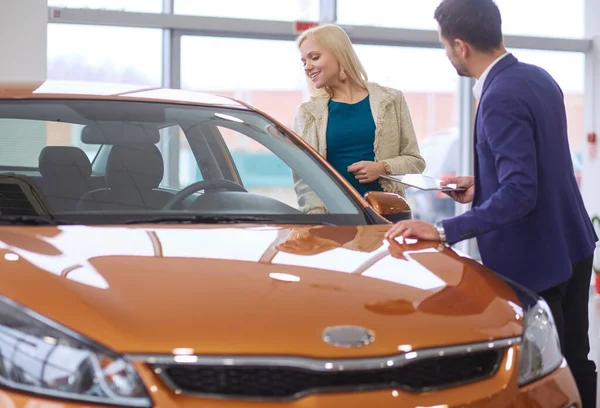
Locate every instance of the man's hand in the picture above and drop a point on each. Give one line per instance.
(366, 171)
(413, 229)
(466, 182)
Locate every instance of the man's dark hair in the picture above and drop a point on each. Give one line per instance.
(476, 22)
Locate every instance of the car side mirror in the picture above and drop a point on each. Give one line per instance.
(392, 206)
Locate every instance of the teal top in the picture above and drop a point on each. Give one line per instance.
(350, 138)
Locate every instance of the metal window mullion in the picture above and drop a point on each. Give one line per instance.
(467, 111)
(167, 51)
(284, 30)
(175, 59)
(328, 11)
(172, 79)
(170, 69)
(168, 6)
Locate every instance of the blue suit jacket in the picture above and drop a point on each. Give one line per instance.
(527, 214)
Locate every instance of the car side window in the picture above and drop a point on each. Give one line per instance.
(260, 170)
(181, 167)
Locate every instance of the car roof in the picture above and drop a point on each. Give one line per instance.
(53, 89)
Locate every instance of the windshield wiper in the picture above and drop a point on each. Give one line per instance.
(29, 220)
(219, 219)
(199, 219)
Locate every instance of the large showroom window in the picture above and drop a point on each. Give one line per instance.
(105, 54)
(424, 75)
(100, 54)
(288, 10)
(146, 6)
(541, 18)
(267, 74)
(430, 85)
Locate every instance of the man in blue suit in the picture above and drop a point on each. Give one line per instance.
(527, 212)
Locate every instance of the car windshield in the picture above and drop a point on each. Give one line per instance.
(113, 161)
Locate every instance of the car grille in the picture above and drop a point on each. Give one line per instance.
(267, 382)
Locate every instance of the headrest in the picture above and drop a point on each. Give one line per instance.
(134, 166)
(119, 133)
(64, 160)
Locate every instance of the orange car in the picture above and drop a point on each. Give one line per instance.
(154, 253)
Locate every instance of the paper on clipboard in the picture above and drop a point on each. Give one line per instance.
(422, 182)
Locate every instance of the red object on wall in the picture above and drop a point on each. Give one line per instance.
(592, 142)
(301, 26)
(597, 282)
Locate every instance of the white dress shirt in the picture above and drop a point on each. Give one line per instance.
(478, 87)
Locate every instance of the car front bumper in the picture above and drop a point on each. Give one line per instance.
(556, 390)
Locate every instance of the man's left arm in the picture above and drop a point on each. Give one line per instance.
(509, 133)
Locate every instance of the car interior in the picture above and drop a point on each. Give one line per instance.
(126, 171)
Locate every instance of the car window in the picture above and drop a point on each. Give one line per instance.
(22, 141)
(260, 170)
(110, 161)
(181, 167)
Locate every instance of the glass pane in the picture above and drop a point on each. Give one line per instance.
(275, 85)
(181, 168)
(553, 18)
(137, 162)
(388, 13)
(285, 10)
(568, 69)
(261, 171)
(105, 54)
(146, 6)
(430, 85)
(38, 134)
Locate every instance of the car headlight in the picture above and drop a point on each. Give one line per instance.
(41, 357)
(540, 346)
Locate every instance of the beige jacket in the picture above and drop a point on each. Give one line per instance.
(395, 141)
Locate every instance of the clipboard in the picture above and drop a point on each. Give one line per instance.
(422, 182)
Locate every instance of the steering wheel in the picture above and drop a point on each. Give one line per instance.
(207, 185)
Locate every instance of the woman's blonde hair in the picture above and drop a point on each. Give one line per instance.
(335, 39)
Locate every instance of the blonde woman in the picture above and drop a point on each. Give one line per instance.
(363, 129)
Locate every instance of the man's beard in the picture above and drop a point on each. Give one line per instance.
(462, 72)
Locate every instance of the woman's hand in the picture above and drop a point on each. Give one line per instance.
(366, 171)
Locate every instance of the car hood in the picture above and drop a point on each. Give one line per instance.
(253, 289)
